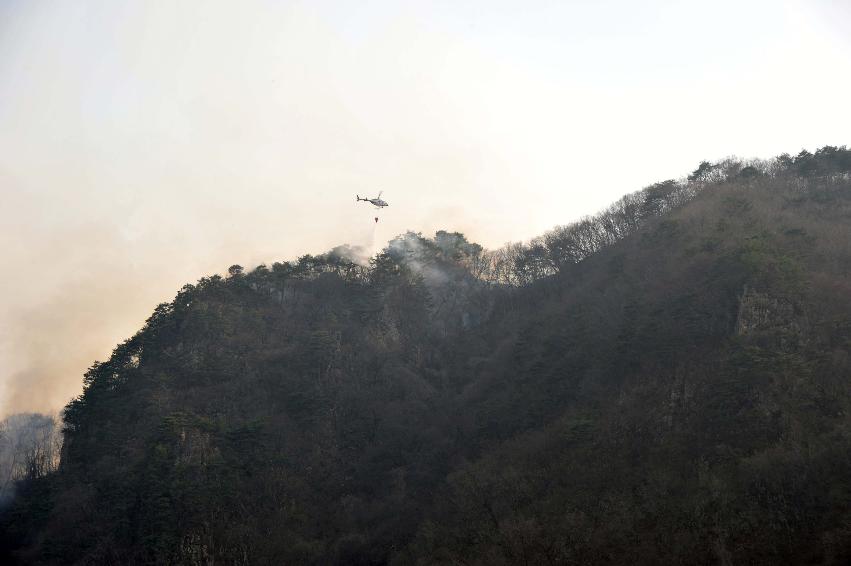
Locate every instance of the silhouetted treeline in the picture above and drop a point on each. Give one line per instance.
(519, 264)
(665, 382)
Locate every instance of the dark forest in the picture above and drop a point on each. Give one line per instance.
(665, 382)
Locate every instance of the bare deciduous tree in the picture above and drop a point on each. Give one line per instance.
(29, 448)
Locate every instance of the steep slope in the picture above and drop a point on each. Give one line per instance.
(667, 382)
(681, 398)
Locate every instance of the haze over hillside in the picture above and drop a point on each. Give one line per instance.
(665, 382)
(604, 320)
(156, 141)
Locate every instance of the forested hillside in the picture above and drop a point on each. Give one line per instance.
(666, 382)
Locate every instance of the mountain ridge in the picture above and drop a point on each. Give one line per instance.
(582, 398)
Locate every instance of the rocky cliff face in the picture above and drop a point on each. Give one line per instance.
(762, 315)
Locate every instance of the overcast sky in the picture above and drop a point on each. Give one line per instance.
(144, 144)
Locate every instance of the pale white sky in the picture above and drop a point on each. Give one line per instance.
(145, 144)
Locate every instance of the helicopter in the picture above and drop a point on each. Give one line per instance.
(375, 201)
